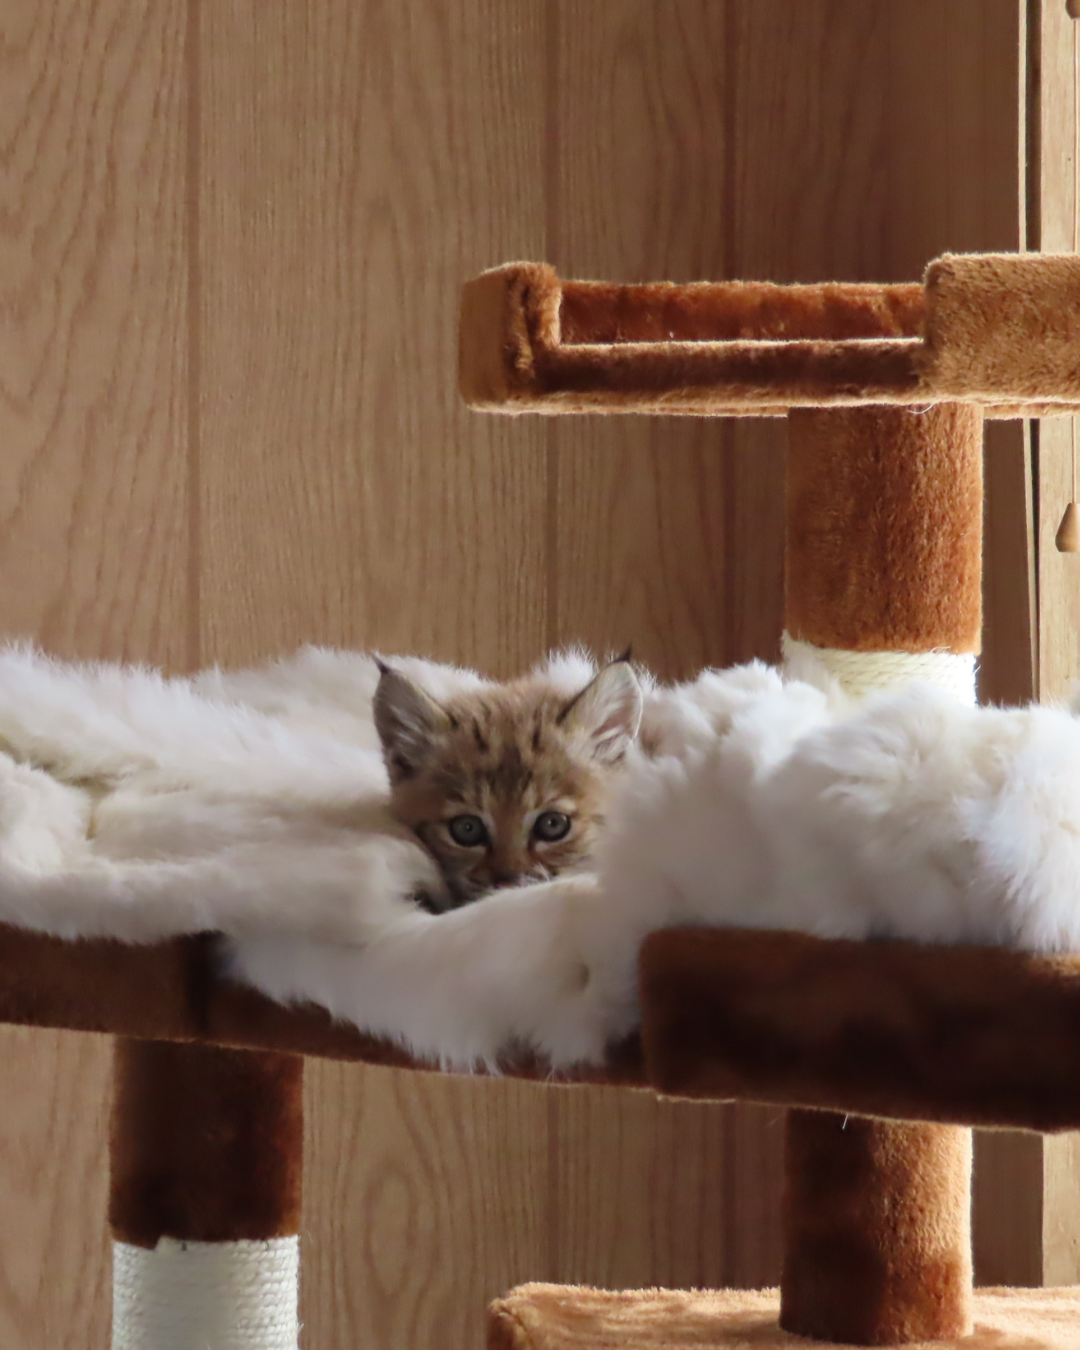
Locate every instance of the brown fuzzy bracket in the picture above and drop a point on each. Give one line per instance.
(999, 330)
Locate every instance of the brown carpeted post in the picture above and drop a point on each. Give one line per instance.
(883, 553)
(206, 1151)
(877, 1230)
(883, 566)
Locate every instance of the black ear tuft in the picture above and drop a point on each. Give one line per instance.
(627, 655)
(407, 721)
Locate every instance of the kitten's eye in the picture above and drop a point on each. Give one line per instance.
(468, 831)
(551, 826)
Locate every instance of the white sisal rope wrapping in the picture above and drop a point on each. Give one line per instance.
(861, 673)
(206, 1295)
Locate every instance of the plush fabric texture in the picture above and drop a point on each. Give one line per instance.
(994, 329)
(206, 1144)
(877, 1230)
(1003, 326)
(251, 804)
(568, 1317)
(883, 537)
(175, 991)
(594, 312)
(969, 1035)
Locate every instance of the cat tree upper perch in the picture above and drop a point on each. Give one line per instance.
(898, 1048)
(885, 389)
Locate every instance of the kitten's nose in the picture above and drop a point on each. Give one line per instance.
(500, 880)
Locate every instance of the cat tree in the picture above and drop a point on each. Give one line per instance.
(889, 1053)
(885, 389)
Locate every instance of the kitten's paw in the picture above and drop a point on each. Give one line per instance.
(462, 988)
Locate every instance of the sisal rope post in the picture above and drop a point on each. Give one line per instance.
(883, 572)
(206, 1152)
(883, 543)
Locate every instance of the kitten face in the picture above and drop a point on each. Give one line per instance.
(508, 784)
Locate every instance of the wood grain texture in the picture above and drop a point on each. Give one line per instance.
(675, 1193)
(93, 528)
(358, 162)
(1054, 226)
(55, 1266)
(647, 515)
(93, 524)
(426, 1197)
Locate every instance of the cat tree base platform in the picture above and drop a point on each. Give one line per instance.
(562, 1317)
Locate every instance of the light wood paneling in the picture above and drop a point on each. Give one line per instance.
(676, 1193)
(93, 523)
(1055, 227)
(426, 1199)
(1056, 214)
(55, 1265)
(358, 162)
(647, 519)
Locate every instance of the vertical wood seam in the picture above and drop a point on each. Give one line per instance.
(1031, 227)
(193, 170)
(552, 17)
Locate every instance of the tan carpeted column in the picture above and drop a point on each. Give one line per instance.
(883, 555)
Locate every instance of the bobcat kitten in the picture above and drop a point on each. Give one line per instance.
(505, 784)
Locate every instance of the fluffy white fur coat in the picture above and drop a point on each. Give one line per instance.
(255, 803)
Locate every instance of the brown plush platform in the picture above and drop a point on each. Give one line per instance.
(900, 1030)
(960, 1035)
(564, 1317)
(994, 329)
(170, 991)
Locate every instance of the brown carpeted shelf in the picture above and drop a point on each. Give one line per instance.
(170, 991)
(566, 1317)
(900, 1030)
(995, 329)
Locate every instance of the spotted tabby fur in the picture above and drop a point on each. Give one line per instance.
(506, 784)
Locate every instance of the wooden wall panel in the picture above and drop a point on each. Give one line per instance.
(358, 163)
(645, 524)
(426, 1199)
(94, 554)
(93, 410)
(1056, 228)
(1054, 175)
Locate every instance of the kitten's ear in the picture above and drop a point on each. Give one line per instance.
(608, 711)
(407, 722)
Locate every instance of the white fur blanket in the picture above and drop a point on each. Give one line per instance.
(254, 803)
